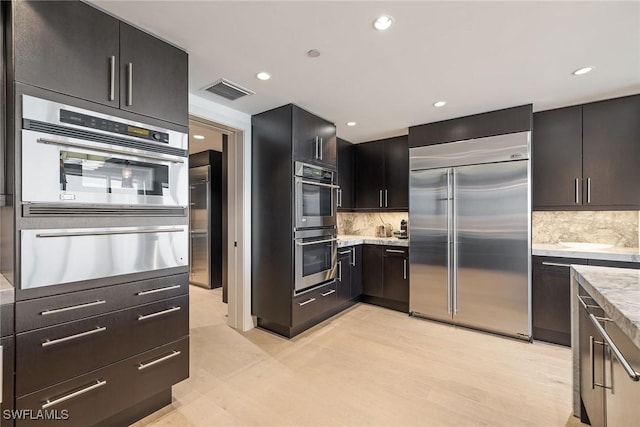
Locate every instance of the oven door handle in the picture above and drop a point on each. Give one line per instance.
(315, 242)
(319, 184)
(108, 150)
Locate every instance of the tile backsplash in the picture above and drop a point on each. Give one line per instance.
(365, 223)
(619, 228)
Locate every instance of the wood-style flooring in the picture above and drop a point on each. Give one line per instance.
(368, 366)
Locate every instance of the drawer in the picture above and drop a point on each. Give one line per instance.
(50, 355)
(313, 303)
(396, 251)
(48, 311)
(98, 395)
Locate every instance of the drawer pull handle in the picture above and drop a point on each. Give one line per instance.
(345, 252)
(73, 337)
(326, 294)
(73, 307)
(395, 251)
(153, 291)
(306, 302)
(555, 264)
(160, 360)
(159, 313)
(50, 403)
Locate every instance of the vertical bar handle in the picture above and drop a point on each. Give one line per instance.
(404, 274)
(353, 256)
(321, 147)
(386, 198)
(340, 271)
(588, 190)
(129, 84)
(577, 191)
(112, 78)
(592, 362)
(454, 232)
(449, 241)
(380, 198)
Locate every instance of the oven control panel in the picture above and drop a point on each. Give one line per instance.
(88, 121)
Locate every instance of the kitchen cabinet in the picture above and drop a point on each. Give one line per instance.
(382, 174)
(349, 280)
(314, 139)
(396, 274)
(73, 48)
(356, 272)
(345, 160)
(372, 272)
(623, 396)
(385, 276)
(586, 156)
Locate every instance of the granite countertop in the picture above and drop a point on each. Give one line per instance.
(617, 291)
(348, 240)
(609, 254)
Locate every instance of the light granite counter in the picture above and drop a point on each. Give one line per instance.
(610, 254)
(349, 240)
(617, 291)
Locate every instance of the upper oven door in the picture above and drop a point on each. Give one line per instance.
(315, 203)
(59, 169)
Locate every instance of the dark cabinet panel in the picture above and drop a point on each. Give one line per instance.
(68, 47)
(557, 157)
(328, 142)
(345, 163)
(396, 274)
(356, 271)
(372, 272)
(305, 142)
(611, 149)
(369, 181)
(154, 77)
(343, 281)
(8, 359)
(396, 171)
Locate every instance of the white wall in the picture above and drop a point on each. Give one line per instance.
(239, 213)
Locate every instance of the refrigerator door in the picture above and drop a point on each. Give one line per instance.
(199, 269)
(492, 259)
(430, 244)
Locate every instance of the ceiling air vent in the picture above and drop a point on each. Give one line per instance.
(229, 90)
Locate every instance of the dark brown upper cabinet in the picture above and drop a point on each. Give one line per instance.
(382, 174)
(345, 159)
(314, 139)
(75, 49)
(586, 157)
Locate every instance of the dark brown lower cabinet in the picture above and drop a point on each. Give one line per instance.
(372, 271)
(343, 281)
(385, 276)
(396, 274)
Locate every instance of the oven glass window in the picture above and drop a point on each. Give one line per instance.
(316, 201)
(81, 172)
(316, 258)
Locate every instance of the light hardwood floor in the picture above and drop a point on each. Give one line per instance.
(368, 366)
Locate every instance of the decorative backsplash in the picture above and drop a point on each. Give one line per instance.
(365, 223)
(619, 228)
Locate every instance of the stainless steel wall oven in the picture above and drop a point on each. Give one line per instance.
(315, 257)
(315, 196)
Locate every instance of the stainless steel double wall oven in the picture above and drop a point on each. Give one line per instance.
(86, 174)
(315, 252)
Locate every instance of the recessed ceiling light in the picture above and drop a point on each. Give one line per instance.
(351, 123)
(198, 136)
(383, 22)
(440, 104)
(582, 71)
(263, 75)
(313, 53)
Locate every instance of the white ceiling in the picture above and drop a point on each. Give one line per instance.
(478, 56)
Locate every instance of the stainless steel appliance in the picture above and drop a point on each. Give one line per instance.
(200, 221)
(58, 256)
(315, 257)
(315, 196)
(470, 248)
(76, 160)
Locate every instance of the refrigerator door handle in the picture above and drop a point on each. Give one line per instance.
(454, 232)
(449, 202)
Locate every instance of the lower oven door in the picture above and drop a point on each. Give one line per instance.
(57, 256)
(58, 169)
(315, 260)
(315, 203)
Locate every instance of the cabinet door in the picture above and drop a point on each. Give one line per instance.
(551, 299)
(328, 142)
(557, 158)
(369, 182)
(343, 282)
(67, 47)
(611, 149)
(372, 270)
(356, 271)
(396, 274)
(396, 170)
(305, 136)
(154, 76)
(345, 174)
(623, 398)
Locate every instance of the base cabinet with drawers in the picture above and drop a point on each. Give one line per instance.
(385, 278)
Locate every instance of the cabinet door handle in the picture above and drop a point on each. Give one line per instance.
(50, 403)
(339, 271)
(146, 365)
(73, 337)
(112, 78)
(353, 256)
(380, 198)
(344, 252)
(326, 294)
(395, 251)
(129, 84)
(315, 147)
(321, 147)
(555, 264)
(73, 307)
(310, 300)
(577, 191)
(159, 313)
(386, 198)
(588, 190)
(404, 275)
(153, 291)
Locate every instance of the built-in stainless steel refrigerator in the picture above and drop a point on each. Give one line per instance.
(200, 222)
(470, 221)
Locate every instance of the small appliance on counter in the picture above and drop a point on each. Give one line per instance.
(384, 230)
(402, 233)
